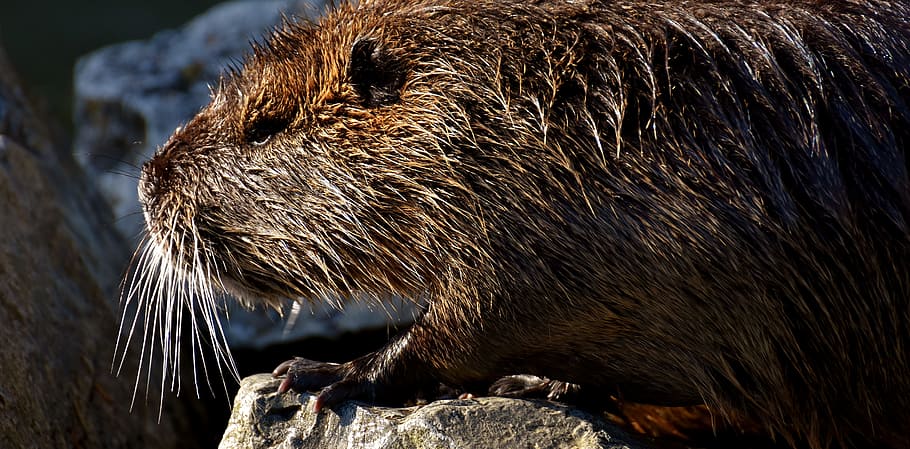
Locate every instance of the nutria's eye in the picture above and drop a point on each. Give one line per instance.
(263, 128)
(375, 74)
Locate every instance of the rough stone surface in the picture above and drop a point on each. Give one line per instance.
(130, 97)
(60, 263)
(265, 419)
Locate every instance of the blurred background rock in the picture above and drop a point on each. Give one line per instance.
(44, 39)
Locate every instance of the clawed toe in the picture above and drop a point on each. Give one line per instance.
(282, 369)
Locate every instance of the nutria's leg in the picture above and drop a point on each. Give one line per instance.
(441, 347)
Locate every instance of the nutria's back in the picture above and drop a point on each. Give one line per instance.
(681, 202)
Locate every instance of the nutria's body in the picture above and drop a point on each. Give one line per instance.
(678, 202)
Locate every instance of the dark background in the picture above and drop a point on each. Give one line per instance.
(43, 39)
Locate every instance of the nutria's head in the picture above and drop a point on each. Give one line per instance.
(317, 171)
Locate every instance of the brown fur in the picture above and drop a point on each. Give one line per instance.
(681, 202)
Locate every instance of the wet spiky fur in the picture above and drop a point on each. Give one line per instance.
(678, 201)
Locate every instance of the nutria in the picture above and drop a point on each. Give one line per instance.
(676, 202)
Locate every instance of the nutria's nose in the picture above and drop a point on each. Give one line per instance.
(158, 175)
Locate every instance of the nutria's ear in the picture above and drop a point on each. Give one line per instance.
(376, 75)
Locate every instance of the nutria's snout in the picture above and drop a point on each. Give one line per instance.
(157, 175)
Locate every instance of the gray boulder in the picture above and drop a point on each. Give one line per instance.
(264, 419)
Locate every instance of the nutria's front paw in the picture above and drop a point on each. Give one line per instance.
(307, 375)
(335, 382)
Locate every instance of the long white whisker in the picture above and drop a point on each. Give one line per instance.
(134, 283)
(125, 301)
